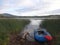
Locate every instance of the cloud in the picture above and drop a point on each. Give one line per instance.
(26, 9)
(54, 12)
(38, 7)
(29, 7)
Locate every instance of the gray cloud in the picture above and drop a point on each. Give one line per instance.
(57, 11)
(26, 9)
(38, 5)
(29, 7)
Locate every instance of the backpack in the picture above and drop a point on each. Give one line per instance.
(49, 38)
(39, 37)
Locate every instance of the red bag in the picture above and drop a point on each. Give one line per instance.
(49, 38)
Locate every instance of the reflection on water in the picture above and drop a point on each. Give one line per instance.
(33, 25)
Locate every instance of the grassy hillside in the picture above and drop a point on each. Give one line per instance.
(8, 26)
(53, 26)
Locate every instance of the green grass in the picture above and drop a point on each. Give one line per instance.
(53, 26)
(8, 26)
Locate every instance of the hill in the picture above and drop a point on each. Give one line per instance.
(6, 15)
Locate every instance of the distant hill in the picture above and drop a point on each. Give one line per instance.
(6, 15)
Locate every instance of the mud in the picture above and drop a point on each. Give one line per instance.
(15, 39)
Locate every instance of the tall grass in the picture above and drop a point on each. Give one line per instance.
(8, 26)
(53, 26)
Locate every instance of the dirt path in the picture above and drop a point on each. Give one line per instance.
(15, 39)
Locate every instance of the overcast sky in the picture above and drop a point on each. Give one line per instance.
(30, 7)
